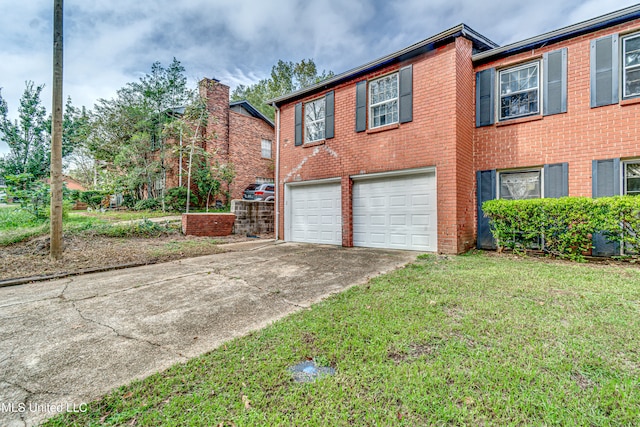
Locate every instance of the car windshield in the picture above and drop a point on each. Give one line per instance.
(251, 187)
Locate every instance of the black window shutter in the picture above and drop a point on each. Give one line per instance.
(604, 71)
(329, 115)
(556, 180)
(298, 122)
(485, 82)
(486, 190)
(406, 94)
(605, 180)
(555, 82)
(361, 106)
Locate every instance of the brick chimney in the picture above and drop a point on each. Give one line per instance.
(216, 95)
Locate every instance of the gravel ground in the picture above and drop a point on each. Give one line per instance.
(31, 258)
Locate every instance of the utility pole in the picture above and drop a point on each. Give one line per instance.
(56, 137)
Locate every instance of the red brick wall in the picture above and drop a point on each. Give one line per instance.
(229, 137)
(207, 224)
(579, 136)
(172, 156)
(465, 126)
(217, 132)
(429, 140)
(245, 150)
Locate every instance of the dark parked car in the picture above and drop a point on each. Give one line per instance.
(259, 192)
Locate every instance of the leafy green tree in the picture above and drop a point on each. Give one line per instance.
(32, 194)
(29, 137)
(126, 132)
(285, 77)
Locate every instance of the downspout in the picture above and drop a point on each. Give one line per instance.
(277, 180)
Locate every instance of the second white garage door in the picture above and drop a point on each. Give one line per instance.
(397, 212)
(315, 213)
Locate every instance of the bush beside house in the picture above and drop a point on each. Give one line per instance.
(567, 226)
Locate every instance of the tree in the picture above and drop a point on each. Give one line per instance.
(127, 132)
(285, 77)
(28, 137)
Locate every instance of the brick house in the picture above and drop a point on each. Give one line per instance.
(236, 132)
(400, 152)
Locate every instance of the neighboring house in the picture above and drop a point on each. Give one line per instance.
(400, 152)
(70, 183)
(237, 133)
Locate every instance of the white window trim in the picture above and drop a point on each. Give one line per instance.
(534, 169)
(270, 149)
(624, 67)
(323, 120)
(624, 174)
(388, 101)
(498, 105)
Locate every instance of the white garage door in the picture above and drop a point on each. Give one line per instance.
(396, 212)
(316, 213)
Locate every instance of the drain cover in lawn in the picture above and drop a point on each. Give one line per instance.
(308, 371)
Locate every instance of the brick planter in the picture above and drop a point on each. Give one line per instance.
(207, 224)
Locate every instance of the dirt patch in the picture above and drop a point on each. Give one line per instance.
(31, 258)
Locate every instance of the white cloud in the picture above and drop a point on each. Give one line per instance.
(110, 43)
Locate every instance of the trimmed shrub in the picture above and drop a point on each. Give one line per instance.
(176, 199)
(620, 217)
(92, 198)
(564, 227)
(149, 204)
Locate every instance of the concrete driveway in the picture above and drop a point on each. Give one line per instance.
(72, 340)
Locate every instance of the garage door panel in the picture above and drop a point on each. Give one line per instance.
(378, 220)
(396, 212)
(377, 202)
(421, 200)
(418, 240)
(398, 201)
(359, 202)
(398, 239)
(378, 238)
(398, 220)
(420, 220)
(327, 220)
(315, 213)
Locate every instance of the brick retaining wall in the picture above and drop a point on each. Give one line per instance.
(207, 224)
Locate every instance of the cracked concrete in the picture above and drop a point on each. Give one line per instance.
(72, 340)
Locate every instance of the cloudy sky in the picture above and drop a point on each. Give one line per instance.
(110, 43)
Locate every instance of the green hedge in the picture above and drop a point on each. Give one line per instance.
(564, 226)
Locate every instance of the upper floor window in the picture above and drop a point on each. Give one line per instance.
(631, 66)
(518, 185)
(519, 91)
(632, 178)
(266, 149)
(383, 101)
(314, 120)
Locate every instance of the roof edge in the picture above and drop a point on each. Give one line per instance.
(603, 21)
(478, 40)
(253, 110)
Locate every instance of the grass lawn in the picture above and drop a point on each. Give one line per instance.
(17, 225)
(469, 340)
